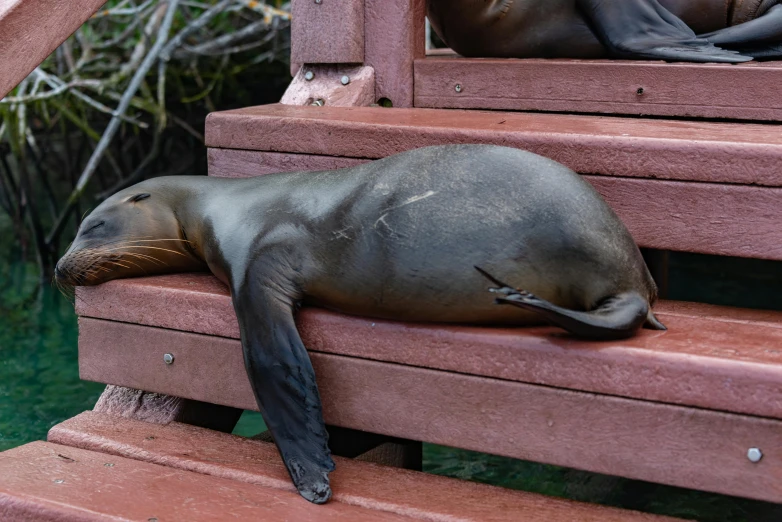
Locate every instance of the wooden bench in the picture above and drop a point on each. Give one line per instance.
(98, 465)
(693, 407)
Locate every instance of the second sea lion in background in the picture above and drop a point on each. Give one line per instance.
(627, 29)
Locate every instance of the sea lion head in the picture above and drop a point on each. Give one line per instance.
(135, 232)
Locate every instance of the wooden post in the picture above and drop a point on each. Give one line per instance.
(395, 37)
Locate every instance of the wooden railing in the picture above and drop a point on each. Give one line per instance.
(30, 30)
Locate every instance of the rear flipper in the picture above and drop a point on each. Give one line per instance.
(616, 317)
(760, 38)
(644, 29)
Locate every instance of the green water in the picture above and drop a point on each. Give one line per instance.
(40, 386)
(39, 377)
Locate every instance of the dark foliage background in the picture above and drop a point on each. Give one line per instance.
(124, 99)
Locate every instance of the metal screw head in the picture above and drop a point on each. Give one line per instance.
(345, 80)
(318, 1)
(458, 87)
(320, 102)
(639, 91)
(168, 358)
(754, 454)
(58, 481)
(109, 465)
(309, 75)
(152, 519)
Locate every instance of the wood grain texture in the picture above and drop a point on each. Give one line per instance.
(700, 151)
(326, 85)
(132, 490)
(675, 445)
(233, 163)
(601, 86)
(163, 409)
(330, 31)
(30, 30)
(716, 215)
(394, 39)
(711, 357)
(417, 495)
(710, 218)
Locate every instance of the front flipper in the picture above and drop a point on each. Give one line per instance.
(644, 29)
(283, 380)
(617, 317)
(760, 38)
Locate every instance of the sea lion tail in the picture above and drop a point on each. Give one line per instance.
(615, 317)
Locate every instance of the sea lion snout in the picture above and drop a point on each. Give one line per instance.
(133, 233)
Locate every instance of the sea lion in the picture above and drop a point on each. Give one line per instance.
(629, 29)
(396, 238)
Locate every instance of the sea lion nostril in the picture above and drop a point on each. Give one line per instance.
(58, 273)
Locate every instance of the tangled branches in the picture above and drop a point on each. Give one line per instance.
(123, 98)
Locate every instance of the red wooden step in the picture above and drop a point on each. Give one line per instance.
(493, 390)
(668, 444)
(42, 481)
(600, 86)
(712, 357)
(738, 153)
(358, 486)
(691, 186)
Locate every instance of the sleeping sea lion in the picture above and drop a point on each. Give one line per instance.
(396, 238)
(629, 29)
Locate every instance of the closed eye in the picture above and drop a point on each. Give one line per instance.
(93, 227)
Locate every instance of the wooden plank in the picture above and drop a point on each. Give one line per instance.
(709, 361)
(601, 86)
(328, 31)
(709, 218)
(749, 154)
(30, 30)
(395, 38)
(714, 216)
(675, 445)
(42, 481)
(231, 163)
(414, 494)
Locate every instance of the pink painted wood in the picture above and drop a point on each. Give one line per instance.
(394, 39)
(601, 86)
(408, 493)
(30, 30)
(668, 444)
(326, 85)
(231, 163)
(631, 147)
(712, 357)
(721, 218)
(42, 481)
(329, 31)
(711, 218)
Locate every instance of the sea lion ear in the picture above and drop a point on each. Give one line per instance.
(137, 197)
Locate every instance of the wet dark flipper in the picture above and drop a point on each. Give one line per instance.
(760, 38)
(283, 381)
(616, 317)
(652, 323)
(644, 29)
